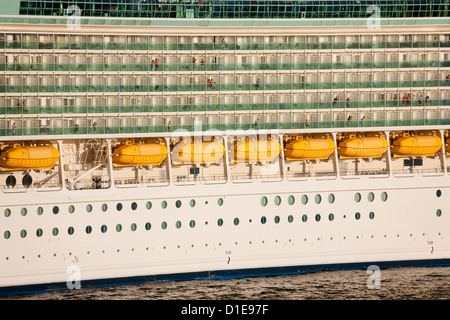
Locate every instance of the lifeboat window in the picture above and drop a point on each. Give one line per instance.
(55, 231)
(277, 200)
(290, 218)
(39, 232)
(70, 230)
(236, 221)
(6, 234)
(263, 220)
(438, 193)
(119, 206)
(291, 200)
(104, 207)
(304, 218)
(370, 196)
(11, 181)
(148, 226)
(331, 198)
(119, 227)
(163, 225)
(192, 223)
(304, 199)
(178, 224)
(55, 210)
(357, 197)
(27, 180)
(23, 211)
(133, 227)
(7, 212)
(371, 215)
(264, 201)
(318, 198)
(220, 222)
(331, 217)
(276, 219)
(384, 196)
(148, 205)
(357, 216)
(192, 203)
(89, 208)
(220, 201)
(438, 212)
(103, 228)
(134, 206)
(178, 204)
(23, 233)
(317, 217)
(71, 209)
(164, 204)
(88, 229)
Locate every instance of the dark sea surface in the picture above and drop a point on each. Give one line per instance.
(418, 283)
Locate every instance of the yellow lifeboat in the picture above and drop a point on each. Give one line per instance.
(17, 157)
(447, 145)
(354, 147)
(309, 149)
(255, 150)
(139, 154)
(416, 145)
(197, 152)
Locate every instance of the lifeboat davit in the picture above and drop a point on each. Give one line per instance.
(309, 149)
(139, 154)
(197, 152)
(362, 147)
(416, 145)
(255, 150)
(17, 157)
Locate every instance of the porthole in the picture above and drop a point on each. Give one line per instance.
(384, 196)
(317, 217)
(148, 226)
(236, 221)
(438, 193)
(290, 218)
(119, 206)
(304, 218)
(11, 181)
(357, 197)
(103, 228)
(291, 200)
(263, 220)
(70, 230)
(276, 219)
(71, 209)
(178, 204)
(192, 223)
(6, 234)
(318, 198)
(304, 199)
(331, 217)
(134, 206)
(88, 229)
(39, 232)
(133, 227)
(264, 201)
(357, 216)
(89, 208)
(27, 180)
(23, 211)
(55, 231)
(219, 222)
(119, 227)
(23, 233)
(104, 207)
(163, 225)
(331, 198)
(370, 196)
(438, 212)
(7, 212)
(371, 215)
(55, 210)
(178, 224)
(277, 200)
(220, 201)
(148, 205)
(192, 203)
(164, 204)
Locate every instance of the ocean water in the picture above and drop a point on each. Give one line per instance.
(418, 283)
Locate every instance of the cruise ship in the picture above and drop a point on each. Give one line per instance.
(146, 140)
